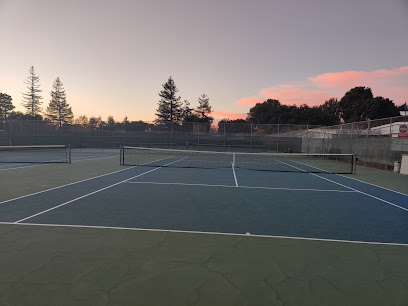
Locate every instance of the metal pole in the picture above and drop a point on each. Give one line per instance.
(307, 137)
(391, 127)
(11, 132)
(224, 137)
(323, 140)
(198, 136)
(277, 141)
(148, 135)
(171, 136)
(124, 134)
(250, 145)
(368, 128)
(35, 131)
(69, 154)
(102, 136)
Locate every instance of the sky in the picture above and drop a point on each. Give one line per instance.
(114, 56)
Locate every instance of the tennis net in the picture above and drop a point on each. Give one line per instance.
(35, 154)
(280, 162)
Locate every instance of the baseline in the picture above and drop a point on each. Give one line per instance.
(205, 233)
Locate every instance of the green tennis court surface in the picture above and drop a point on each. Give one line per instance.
(97, 233)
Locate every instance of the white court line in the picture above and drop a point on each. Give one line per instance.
(96, 191)
(91, 178)
(81, 181)
(367, 194)
(359, 191)
(352, 178)
(244, 187)
(9, 164)
(235, 176)
(206, 233)
(30, 166)
(47, 164)
(5, 165)
(90, 158)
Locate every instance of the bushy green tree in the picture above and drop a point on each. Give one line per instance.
(359, 104)
(82, 120)
(383, 108)
(273, 112)
(110, 123)
(6, 105)
(95, 122)
(356, 104)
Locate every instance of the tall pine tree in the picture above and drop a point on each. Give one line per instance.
(204, 109)
(170, 107)
(5, 105)
(32, 98)
(59, 111)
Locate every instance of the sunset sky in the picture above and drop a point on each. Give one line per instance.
(114, 56)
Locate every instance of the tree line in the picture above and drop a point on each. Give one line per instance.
(358, 104)
(170, 108)
(58, 110)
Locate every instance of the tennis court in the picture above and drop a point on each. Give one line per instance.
(231, 234)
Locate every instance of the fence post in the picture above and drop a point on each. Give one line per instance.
(171, 136)
(307, 138)
(11, 133)
(72, 135)
(148, 135)
(198, 136)
(391, 127)
(124, 133)
(224, 136)
(368, 128)
(102, 136)
(323, 140)
(58, 130)
(250, 144)
(277, 140)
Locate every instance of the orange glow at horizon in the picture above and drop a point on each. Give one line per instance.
(391, 83)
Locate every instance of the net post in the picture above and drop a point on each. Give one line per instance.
(354, 164)
(233, 160)
(69, 153)
(121, 155)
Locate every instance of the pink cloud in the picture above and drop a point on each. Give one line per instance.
(289, 96)
(388, 83)
(249, 101)
(231, 116)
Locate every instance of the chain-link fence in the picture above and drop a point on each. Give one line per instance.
(376, 142)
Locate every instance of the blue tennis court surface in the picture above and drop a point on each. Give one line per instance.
(240, 201)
